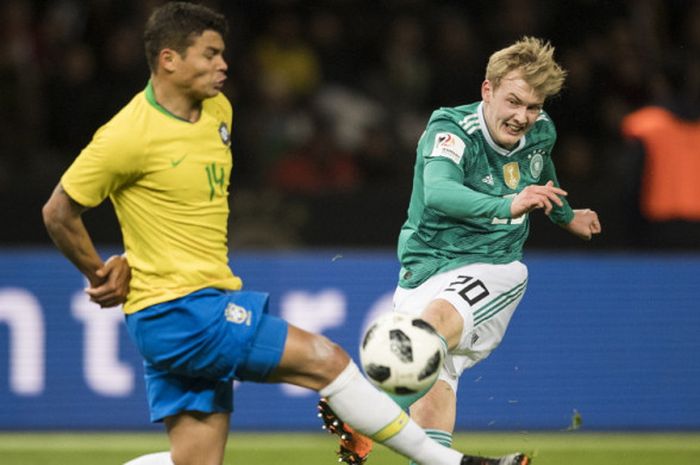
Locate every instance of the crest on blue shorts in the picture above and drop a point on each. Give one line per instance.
(237, 314)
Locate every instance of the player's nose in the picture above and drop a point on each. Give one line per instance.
(221, 64)
(521, 115)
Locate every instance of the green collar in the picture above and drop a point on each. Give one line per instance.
(151, 98)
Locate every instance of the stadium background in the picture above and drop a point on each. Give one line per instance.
(329, 99)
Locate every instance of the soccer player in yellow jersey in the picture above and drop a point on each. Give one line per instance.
(164, 161)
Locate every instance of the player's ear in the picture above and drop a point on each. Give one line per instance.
(167, 58)
(486, 91)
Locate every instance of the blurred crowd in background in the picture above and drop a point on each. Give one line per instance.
(330, 98)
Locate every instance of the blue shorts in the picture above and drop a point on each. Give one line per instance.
(195, 346)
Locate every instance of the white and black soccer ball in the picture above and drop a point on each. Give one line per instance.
(401, 354)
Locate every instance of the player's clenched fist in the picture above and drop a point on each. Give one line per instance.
(584, 224)
(114, 288)
(534, 197)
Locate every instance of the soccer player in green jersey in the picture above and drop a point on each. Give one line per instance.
(480, 170)
(164, 160)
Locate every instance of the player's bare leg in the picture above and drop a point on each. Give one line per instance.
(437, 409)
(312, 361)
(197, 438)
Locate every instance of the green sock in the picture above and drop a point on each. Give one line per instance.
(442, 437)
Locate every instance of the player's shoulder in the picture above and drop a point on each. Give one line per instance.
(454, 115)
(219, 106)
(128, 122)
(544, 128)
(462, 121)
(445, 135)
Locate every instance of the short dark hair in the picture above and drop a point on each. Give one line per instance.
(175, 25)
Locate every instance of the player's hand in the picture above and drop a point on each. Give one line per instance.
(584, 224)
(115, 275)
(534, 197)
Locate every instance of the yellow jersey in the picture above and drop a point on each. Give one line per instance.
(168, 180)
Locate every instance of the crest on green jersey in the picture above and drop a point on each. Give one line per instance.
(511, 174)
(448, 145)
(536, 163)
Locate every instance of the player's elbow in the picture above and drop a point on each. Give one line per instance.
(50, 215)
(432, 199)
(53, 221)
(56, 213)
(60, 209)
(436, 201)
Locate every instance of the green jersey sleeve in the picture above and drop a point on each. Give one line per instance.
(445, 193)
(443, 178)
(559, 215)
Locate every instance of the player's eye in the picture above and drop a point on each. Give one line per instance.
(210, 54)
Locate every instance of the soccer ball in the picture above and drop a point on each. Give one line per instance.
(401, 354)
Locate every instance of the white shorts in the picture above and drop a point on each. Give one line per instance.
(485, 295)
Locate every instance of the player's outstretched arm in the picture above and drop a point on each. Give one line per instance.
(534, 197)
(585, 224)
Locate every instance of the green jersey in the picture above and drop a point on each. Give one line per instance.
(463, 186)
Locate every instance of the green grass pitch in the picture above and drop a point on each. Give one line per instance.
(574, 448)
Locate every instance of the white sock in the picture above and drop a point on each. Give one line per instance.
(158, 458)
(374, 414)
(443, 437)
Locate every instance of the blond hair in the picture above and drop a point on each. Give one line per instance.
(534, 59)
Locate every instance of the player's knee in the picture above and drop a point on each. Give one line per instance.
(446, 320)
(329, 358)
(310, 360)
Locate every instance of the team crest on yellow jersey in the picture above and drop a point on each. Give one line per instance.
(511, 174)
(224, 134)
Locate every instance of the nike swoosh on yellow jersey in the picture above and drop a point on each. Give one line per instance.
(174, 163)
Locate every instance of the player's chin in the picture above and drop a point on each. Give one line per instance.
(211, 89)
(214, 90)
(510, 140)
(218, 85)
